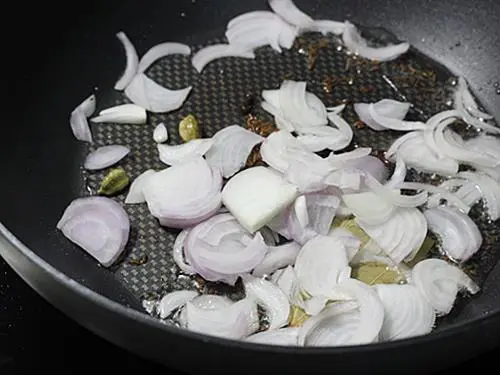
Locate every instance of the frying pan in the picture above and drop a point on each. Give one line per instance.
(67, 50)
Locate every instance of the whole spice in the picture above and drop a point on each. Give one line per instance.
(114, 182)
(261, 127)
(189, 128)
(143, 259)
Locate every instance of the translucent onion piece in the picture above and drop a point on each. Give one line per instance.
(277, 257)
(321, 265)
(325, 27)
(218, 51)
(287, 281)
(282, 337)
(320, 138)
(160, 134)
(135, 194)
(308, 173)
(387, 114)
(439, 282)
(287, 10)
(176, 154)
(131, 64)
(406, 312)
(174, 300)
(159, 51)
(488, 145)
(337, 109)
(416, 153)
(236, 321)
(342, 125)
(105, 156)
(486, 188)
(184, 194)
(279, 224)
(78, 119)
(401, 236)
(230, 149)
(146, 93)
(460, 236)
(349, 240)
(271, 298)
(99, 225)
(358, 45)
(178, 253)
(399, 175)
(368, 207)
(256, 195)
(220, 249)
(122, 114)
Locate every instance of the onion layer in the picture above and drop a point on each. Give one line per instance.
(172, 155)
(218, 51)
(122, 114)
(135, 194)
(105, 156)
(78, 119)
(131, 63)
(174, 300)
(159, 51)
(287, 10)
(282, 337)
(277, 257)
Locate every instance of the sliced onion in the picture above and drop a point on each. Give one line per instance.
(236, 321)
(318, 138)
(406, 312)
(160, 134)
(132, 62)
(220, 249)
(439, 282)
(399, 175)
(286, 281)
(105, 156)
(460, 236)
(368, 207)
(218, 51)
(415, 152)
(337, 109)
(178, 253)
(122, 114)
(287, 10)
(135, 194)
(172, 155)
(270, 237)
(256, 195)
(271, 298)
(341, 124)
(159, 51)
(339, 160)
(184, 194)
(99, 225)
(277, 257)
(325, 27)
(308, 173)
(174, 300)
(148, 94)
(321, 264)
(78, 119)
(348, 239)
(230, 149)
(282, 337)
(488, 189)
(358, 45)
(401, 236)
(387, 114)
(488, 145)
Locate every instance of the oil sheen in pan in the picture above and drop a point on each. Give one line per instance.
(216, 100)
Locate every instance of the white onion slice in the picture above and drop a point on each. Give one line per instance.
(172, 155)
(401, 236)
(488, 145)
(325, 27)
(368, 207)
(256, 195)
(218, 51)
(105, 156)
(160, 134)
(174, 300)
(122, 114)
(406, 312)
(159, 51)
(99, 225)
(78, 119)
(135, 194)
(439, 282)
(399, 175)
(358, 45)
(287, 10)
(131, 63)
(184, 194)
(384, 114)
(230, 149)
(416, 153)
(321, 265)
(282, 337)
(236, 321)
(486, 188)
(178, 253)
(148, 94)
(271, 298)
(342, 125)
(277, 257)
(460, 236)
(337, 109)
(318, 138)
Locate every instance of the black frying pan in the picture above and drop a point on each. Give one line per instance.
(66, 54)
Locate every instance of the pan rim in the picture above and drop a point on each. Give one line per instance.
(9, 239)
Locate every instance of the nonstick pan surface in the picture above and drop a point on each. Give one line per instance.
(43, 161)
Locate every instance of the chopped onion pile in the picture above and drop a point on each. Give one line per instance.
(297, 229)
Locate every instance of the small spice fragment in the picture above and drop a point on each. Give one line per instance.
(255, 159)
(261, 127)
(297, 316)
(373, 273)
(143, 259)
(312, 55)
(358, 124)
(248, 104)
(328, 84)
(114, 182)
(189, 128)
(367, 89)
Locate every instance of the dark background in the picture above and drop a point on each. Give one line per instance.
(36, 336)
